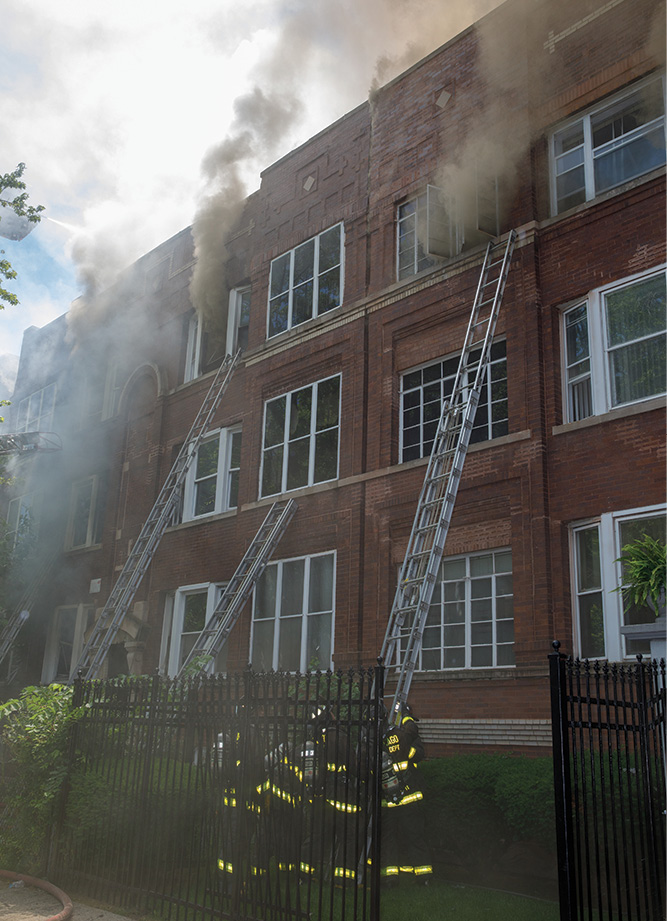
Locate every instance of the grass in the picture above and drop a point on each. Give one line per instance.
(463, 903)
(439, 901)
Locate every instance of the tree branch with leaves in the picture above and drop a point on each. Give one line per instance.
(18, 203)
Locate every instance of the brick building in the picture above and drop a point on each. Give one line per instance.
(352, 273)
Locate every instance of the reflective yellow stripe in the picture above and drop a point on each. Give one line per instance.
(401, 766)
(411, 798)
(226, 867)
(421, 871)
(336, 768)
(389, 871)
(306, 867)
(227, 801)
(344, 807)
(407, 869)
(412, 753)
(342, 873)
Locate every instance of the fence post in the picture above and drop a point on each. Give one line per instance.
(376, 807)
(645, 774)
(562, 785)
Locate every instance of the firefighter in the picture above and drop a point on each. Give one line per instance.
(404, 847)
(335, 791)
(239, 762)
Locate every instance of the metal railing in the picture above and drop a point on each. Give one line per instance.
(609, 768)
(247, 796)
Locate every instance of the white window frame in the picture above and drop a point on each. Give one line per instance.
(275, 618)
(487, 394)
(608, 529)
(312, 435)
(437, 624)
(289, 291)
(437, 233)
(18, 509)
(193, 352)
(239, 306)
(584, 154)
(223, 475)
(93, 513)
(597, 398)
(83, 616)
(171, 657)
(113, 388)
(35, 412)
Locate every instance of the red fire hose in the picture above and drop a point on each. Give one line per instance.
(64, 899)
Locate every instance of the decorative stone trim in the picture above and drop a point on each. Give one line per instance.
(508, 733)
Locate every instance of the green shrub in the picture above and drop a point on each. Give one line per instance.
(35, 730)
(478, 803)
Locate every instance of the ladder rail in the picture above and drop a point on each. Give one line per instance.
(22, 610)
(145, 546)
(212, 638)
(426, 544)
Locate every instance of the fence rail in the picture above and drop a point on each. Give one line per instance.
(608, 724)
(249, 796)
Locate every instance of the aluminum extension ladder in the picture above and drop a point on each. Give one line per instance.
(235, 594)
(419, 572)
(22, 611)
(139, 559)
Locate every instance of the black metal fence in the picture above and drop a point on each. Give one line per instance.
(252, 796)
(609, 769)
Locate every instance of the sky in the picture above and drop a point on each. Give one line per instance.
(117, 108)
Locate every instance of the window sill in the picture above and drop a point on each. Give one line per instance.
(499, 673)
(622, 412)
(87, 549)
(203, 519)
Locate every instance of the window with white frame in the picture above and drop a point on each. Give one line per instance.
(35, 413)
(23, 513)
(599, 609)
(238, 320)
(307, 281)
(424, 389)
(470, 623)
(426, 229)
(65, 641)
(620, 139)
(212, 482)
(293, 615)
(187, 611)
(87, 500)
(300, 443)
(614, 346)
(194, 349)
(113, 387)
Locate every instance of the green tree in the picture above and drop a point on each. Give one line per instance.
(18, 203)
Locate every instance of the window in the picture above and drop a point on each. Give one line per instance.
(194, 349)
(307, 281)
(426, 228)
(293, 615)
(113, 387)
(87, 502)
(238, 320)
(614, 142)
(35, 413)
(598, 607)
(65, 641)
(212, 483)
(300, 444)
(23, 517)
(470, 623)
(614, 347)
(424, 390)
(187, 611)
